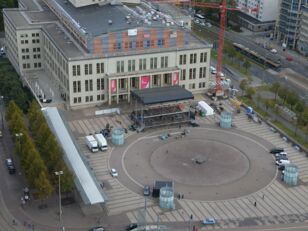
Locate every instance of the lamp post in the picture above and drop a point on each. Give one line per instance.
(1, 98)
(18, 136)
(59, 173)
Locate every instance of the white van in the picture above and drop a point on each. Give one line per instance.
(102, 143)
(91, 143)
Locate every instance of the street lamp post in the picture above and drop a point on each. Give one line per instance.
(59, 173)
(2, 111)
(18, 136)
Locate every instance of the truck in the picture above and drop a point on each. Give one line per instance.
(102, 143)
(91, 143)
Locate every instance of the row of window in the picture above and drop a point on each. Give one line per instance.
(142, 64)
(100, 85)
(26, 50)
(36, 56)
(28, 65)
(89, 98)
(192, 86)
(139, 44)
(33, 35)
(193, 58)
(88, 69)
(26, 41)
(192, 73)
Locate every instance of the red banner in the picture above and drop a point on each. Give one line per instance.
(175, 78)
(113, 86)
(145, 82)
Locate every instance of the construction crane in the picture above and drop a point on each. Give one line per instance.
(222, 6)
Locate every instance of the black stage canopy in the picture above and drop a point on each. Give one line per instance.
(161, 95)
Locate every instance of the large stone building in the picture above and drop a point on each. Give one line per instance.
(302, 45)
(288, 26)
(97, 54)
(258, 15)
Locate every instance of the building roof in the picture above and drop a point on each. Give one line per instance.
(85, 183)
(118, 14)
(162, 95)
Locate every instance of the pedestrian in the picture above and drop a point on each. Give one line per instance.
(182, 196)
(263, 196)
(255, 204)
(13, 222)
(29, 226)
(32, 226)
(25, 223)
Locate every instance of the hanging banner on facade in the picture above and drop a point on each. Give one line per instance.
(145, 82)
(175, 78)
(113, 86)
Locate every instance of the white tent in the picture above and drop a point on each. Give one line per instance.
(203, 106)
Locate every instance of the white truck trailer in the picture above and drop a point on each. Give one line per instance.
(92, 143)
(102, 142)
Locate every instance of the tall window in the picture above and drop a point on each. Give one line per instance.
(131, 65)
(183, 74)
(100, 68)
(120, 66)
(86, 83)
(153, 63)
(142, 64)
(164, 61)
(203, 57)
(193, 58)
(192, 73)
(182, 59)
(100, 84)
(202, 72)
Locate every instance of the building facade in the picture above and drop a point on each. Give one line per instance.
(93, 62)
(288, 26)
(302, 45)
(258, 15)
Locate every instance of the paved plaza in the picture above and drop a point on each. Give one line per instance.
(263, 200)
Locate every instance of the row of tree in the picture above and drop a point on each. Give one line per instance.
(48, 147)
(291, 100)
(30, 159)
(11, 87)
(40, 156)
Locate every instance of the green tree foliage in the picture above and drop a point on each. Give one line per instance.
(43, 186)
(246, 65)
(275, 88)
(6, 4)
(283, 94)
(292, 99)
(250, 92)
(269, 104)
(243, 85)
(49, 148)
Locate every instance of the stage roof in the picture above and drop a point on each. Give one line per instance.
(161, 95)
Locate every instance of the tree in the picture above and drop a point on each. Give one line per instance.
(283, 93)
(247, 65)
(275, 88)
(250, 92)
(243, 85)
(269, 104)
(292, 99)
(43, 186)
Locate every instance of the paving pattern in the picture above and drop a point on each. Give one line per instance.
(275, 204)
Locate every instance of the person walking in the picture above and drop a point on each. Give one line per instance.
(255, 204)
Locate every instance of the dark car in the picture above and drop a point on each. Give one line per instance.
(281, 157)
(146, 190)
(276, 150)
(281, 168)
(131, 226)
(10, 166)
(97, 229)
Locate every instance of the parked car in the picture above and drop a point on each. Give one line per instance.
(97, 229)
(10, 166)
(194, 124)
(282, 162)
(281, 168)
(208, 221)
(146, 190)
(131, 226)
(281, 157)
(113, 172)
(276, 150)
